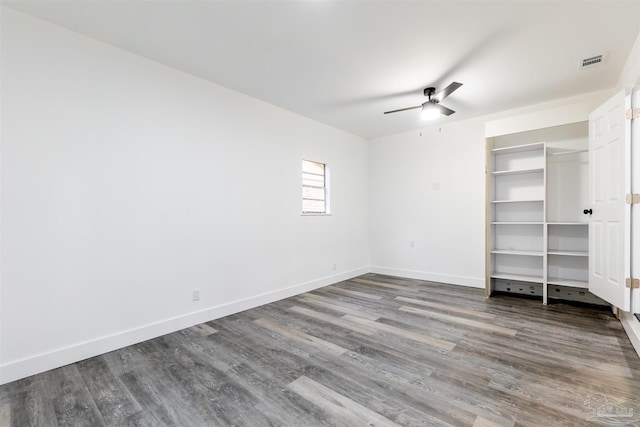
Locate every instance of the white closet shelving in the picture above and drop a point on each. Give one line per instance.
(537, 233)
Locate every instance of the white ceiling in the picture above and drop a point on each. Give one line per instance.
(346, 62)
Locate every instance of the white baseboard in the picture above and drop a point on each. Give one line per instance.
(433, 277)
(23, 368)
(631, 326)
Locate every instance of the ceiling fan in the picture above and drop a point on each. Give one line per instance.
(431, 109)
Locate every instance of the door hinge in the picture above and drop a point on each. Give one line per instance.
(632, 199)
(633, 113)
(632, 283)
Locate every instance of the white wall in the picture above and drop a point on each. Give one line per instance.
(630, 75)
(126, 184)
(427, 187)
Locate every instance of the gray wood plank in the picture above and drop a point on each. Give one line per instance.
(386, 285)
(5, 414)
(424, 339)
(487, 422)
(355, 294)
(113, 400)
(340, 408)
(460, 321)
(309, 340)
(342, 322)
(448, 307)
(341, 307)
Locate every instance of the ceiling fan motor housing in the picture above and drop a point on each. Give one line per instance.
(429, 91)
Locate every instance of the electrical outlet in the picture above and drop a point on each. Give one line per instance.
(412, 244)
(196, 294)
(335, 267)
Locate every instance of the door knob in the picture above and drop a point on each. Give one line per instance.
(587, 211)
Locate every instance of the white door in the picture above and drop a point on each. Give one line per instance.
(609, 182)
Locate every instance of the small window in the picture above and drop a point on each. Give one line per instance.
(315, 186)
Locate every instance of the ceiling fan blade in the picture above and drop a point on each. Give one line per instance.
(444, 110)
(402, 109)
(446, 91)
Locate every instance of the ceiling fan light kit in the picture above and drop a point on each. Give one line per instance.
(431, 109)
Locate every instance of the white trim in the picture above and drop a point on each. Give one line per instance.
(474, 282)
(631, 326)
(18, 369)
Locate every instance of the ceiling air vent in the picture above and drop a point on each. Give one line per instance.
(590, 62)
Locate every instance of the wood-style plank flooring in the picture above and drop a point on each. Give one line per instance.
(371, 351)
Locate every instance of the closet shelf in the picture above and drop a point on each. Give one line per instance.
(518, 277)
(568, 253)
(517, 223)
(562, 153)
(519, 148)
(567, 282)
(517, 171)
(518, 201)
(517, 252)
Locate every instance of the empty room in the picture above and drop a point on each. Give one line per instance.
(319, 213)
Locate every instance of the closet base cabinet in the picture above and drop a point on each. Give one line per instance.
(537, 231)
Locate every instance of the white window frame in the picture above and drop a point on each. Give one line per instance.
(325, 188)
